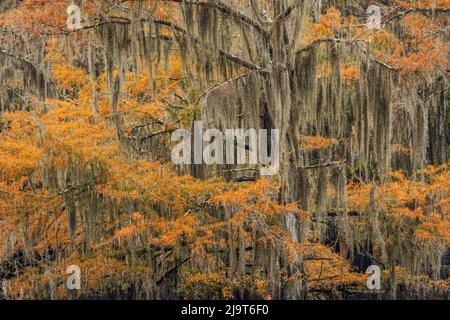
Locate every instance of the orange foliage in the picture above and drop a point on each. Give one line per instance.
(424, 206)
(316, 142)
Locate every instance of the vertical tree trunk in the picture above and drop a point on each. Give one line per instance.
(441, 128)
(92, 77)
(393, 281)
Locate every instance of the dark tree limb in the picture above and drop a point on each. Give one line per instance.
(224, 8)
(171, 270)
(418, 10)
(227, 55)
(348, 42)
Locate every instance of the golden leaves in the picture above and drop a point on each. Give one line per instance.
(421, 206)
(316, 142)
(69, 77)
(18, 155)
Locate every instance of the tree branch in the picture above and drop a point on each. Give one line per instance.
(175, 268)
(317, 166)
(219, 5)
(419, 10)
(285, 14)
(227, 55)
(349, 42)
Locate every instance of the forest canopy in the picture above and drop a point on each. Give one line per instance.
(90, 98)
